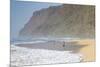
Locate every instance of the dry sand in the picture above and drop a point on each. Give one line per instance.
(89, 50)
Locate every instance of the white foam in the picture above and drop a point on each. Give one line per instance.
(30, 42)
(23, 56)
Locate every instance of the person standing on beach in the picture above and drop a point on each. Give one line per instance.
(63, 43)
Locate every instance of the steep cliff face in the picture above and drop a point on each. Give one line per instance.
(61, 21)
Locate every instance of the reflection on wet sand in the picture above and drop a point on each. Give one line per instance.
(55, 45)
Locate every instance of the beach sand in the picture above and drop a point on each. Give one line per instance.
(89, 50)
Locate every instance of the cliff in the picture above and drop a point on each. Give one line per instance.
(61, 21)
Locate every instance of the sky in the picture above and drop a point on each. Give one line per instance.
(21, 11)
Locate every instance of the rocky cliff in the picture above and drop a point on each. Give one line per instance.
(61, 21)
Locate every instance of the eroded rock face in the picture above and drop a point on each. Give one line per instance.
(63, 20)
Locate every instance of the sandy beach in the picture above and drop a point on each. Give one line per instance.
(81, 50)
(89, 50)
(84, 46)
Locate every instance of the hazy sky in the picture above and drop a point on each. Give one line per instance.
(21, 11)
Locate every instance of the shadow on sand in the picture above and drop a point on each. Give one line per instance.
(55, 45)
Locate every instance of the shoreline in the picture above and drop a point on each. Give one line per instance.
(85, 47)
